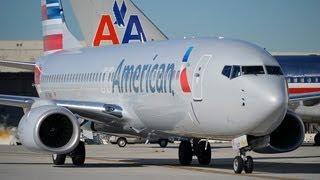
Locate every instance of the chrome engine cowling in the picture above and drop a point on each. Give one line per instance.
(49, 128)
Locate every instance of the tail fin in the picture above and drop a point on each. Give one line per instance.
(56, 35)
(108, 22)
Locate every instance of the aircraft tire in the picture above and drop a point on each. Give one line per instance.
(248, 165)
(185, 153)
(59, 159)
(238, 165)
(203, 153)
(78, 155)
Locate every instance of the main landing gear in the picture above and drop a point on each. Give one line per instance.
(78, 156)
(243, 162)
(201, 149)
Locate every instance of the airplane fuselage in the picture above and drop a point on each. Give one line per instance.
(173, 86)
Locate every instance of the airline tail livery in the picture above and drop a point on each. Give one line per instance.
(56, 35)
(109, 22)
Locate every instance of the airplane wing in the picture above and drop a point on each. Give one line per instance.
(18, 64)
(304, 97)
(17, 101)
(82, 108)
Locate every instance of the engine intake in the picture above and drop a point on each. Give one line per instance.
(287, 137)
(50, 129)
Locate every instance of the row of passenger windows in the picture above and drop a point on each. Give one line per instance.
(88, 77)
(303, 79)
(236, 71)
(82, 77)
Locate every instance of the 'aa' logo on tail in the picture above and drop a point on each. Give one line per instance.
(106, 25)
(120, 13)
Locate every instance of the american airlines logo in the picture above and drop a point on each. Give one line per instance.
(147, 78)
(184, 82)
(106, 32)
(150, 78)
(120, 13)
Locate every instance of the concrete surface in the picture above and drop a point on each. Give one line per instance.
(145, 162)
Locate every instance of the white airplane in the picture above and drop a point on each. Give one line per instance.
(201, 89)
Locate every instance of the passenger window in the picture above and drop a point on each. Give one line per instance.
(309, 80)
(236, 72)
(226, 71)
(295, 80)
(274, 70)
(103, 77)
(109, 77)
(288, 80)
(246, 70)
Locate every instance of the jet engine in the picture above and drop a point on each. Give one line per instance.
(50, 129)
(287, 137)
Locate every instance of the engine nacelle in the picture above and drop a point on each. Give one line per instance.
(49, 128)
(287, 137)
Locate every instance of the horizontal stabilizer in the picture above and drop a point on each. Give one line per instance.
(18, 64)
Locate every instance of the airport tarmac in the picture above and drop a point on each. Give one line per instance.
(145, 162)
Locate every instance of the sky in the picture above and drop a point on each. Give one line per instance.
(278, 25)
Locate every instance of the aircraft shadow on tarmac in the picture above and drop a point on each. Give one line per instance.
(220, 163)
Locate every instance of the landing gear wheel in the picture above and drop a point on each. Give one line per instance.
(185, 153)
(163, 143)
(58, 159)
(78, 155)
(317, 139)
(238, 165)
(122, 142)
(248, 165)
(203, 153)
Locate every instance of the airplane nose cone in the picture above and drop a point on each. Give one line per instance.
(276, 96)
(272, 98)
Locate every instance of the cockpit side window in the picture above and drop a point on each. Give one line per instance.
(236, 72)
(246, 70)
(274, 70)
(226, 71)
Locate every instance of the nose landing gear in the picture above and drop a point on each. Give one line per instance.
(243, 162)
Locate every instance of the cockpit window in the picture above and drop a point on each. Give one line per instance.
(226, 71)
(252, 70)
(231, 71)
(236, 72)
(274, 70)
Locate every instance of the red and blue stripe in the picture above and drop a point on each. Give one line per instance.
(184, 82)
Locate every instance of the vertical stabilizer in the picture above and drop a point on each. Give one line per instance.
(108, 22)
(56, 35)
